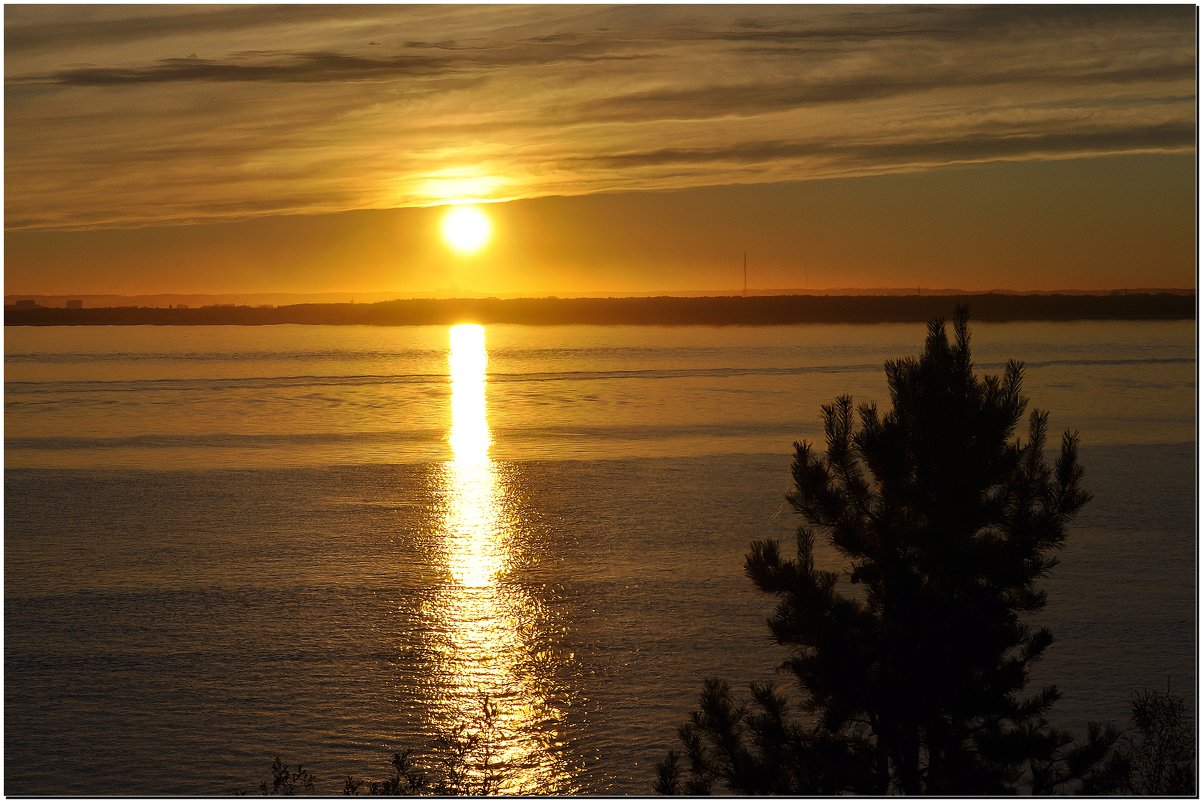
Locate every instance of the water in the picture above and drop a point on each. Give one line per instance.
(326, 543)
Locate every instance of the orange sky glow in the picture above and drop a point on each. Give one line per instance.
(627, 149)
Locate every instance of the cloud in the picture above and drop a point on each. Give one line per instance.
(933, 23)
(961, 149)
(119, 115)
(320, 67)
(761, 98)
(66, 28)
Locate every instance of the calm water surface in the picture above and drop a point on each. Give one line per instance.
(225, 543)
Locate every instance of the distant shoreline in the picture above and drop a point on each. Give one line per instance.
(768, 310)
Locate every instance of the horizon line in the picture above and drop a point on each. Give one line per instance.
(389, 296)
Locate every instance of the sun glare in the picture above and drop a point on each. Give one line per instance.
(466, 228)
(482, 636)
(469, 434)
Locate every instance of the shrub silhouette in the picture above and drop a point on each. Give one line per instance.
(1156, 756)
(287, 782)
(913, 677)
(462, 761)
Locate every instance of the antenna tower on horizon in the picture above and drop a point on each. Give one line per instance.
(744, 275)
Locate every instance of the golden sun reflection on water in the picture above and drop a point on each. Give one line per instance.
(473, 518)
(487, 624)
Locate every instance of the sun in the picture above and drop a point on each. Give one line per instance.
(466, 228)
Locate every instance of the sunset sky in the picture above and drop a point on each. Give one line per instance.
(153, 149)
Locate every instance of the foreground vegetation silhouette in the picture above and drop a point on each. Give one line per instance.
(462, 761)
(1157, 756)
(914, 676)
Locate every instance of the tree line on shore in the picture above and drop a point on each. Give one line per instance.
(767, 310)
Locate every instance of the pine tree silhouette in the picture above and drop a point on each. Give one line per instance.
(913, 677)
